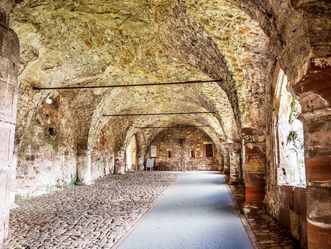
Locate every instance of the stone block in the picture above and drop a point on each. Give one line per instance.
(254, 188)
(318, 235)
(319, 170)
(317, 81)
(303, 231)
(4, 203)
(294, 225)
(7, 101)
(255, 180)
(298, 228)
(288, 196)
(7, 132)
(284, 217)
(319, 204)
(254, 196)
(299, 200)
(255, 162)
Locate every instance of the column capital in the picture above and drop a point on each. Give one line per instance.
(6, 7)
(81, 151)
(234, 147)
(314, 89)
(252, 135)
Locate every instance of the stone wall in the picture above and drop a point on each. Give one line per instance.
(102, 156)
(175, 155)
(47, 152)
(286, 203)
(237, 41)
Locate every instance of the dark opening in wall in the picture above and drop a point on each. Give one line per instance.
(181, 140)
(169, 154)
(193, 153)
(209, 150)
(51, 131)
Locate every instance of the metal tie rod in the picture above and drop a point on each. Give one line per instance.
(170, 127)
(129, 85)
(154, 114)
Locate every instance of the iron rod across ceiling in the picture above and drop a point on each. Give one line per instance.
(171, 127)
(128, 85)
(154, 114)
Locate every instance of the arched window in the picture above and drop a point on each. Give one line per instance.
(289, 144)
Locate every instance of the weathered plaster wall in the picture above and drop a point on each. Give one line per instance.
(102, 156)
(47, 152)
(194, 140)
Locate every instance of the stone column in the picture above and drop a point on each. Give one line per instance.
(220, 159)
(13, 180)
(226, 161)
(120, 161)
(235, 161)
(314, 91)
(254, 148)
(84, 166)
(141, 164)
(9, 61)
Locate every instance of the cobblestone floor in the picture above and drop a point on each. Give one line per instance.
(268, 234)
(94, 216)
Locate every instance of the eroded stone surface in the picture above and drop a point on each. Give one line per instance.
(67, 43)
(94, 216)
(185, 149)
(264, 230)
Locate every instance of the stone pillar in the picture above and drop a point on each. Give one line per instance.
(120, 161)
(141, 160)
(254, 148)
(220, 159)
(84, 166)
(314, 91)
(235, 161)
(9, 61)
(226, 161)
(13, 180)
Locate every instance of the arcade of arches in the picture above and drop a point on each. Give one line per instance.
(269, 120)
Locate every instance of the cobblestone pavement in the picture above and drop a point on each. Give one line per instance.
(94, 216)
(266, 232)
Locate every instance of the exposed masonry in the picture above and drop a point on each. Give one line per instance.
(185, 149)
(62, 138)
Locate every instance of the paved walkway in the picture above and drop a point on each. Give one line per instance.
(86, 217)
(195, 213)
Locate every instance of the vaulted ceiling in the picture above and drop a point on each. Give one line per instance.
(101, 42)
